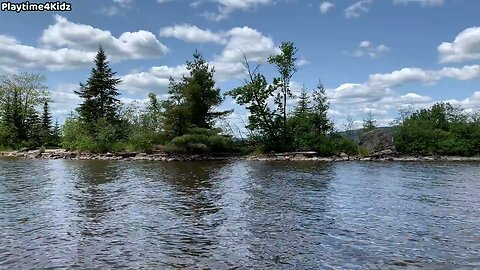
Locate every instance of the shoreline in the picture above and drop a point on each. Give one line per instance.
(52, 154)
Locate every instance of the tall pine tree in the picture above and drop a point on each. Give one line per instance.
(99, 93)
(192, 100)
(46, 129)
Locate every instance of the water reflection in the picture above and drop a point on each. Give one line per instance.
(230, 215)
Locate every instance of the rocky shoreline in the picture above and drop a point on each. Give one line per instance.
(160, 156)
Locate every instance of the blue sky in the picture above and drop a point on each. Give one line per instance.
(371, 55)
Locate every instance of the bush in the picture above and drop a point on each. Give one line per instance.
(200, 143)
(362, 151)
(341, 144)
(141, 141)
(440, 129)
(219, 143)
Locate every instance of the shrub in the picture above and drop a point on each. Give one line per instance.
(141, 141)
(362, 151)
(341, 144)
(219, 143)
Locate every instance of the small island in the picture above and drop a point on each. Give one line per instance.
(185, 125)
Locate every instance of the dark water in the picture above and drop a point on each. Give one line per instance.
(239, 215)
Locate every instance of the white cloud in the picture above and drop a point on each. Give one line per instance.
(228, 64)
(16, 55)
(325, 7)
(154, 80)
(248, 41)
(357, 9)
(226, 7)
(129, 45)
(379, 92)
(192, 33)
(367, 48)
(67, 45)
(423, 3)
(465, 47)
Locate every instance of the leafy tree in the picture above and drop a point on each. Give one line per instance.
(99, 94)
(20, 94)
(254, 95)
(441, 129)
(285, 62)
(175, 121)
(153, 117)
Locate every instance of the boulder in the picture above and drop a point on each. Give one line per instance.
(379, 143)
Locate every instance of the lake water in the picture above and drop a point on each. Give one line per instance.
(239, 215)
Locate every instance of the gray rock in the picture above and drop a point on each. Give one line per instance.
(379, 143)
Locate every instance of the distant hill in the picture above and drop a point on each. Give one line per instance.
(355, 134)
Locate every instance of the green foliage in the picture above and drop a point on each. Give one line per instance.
(345, 145)
(362, 151)
(201, 143)
(191, 101)
(77, 136)
(311, 128)
(285, 63)
(441, 129)
(99, 95)
(254, 95)
(20, 95)
(141, 141)
(369, 123)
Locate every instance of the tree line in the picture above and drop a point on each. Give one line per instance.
(187, 120)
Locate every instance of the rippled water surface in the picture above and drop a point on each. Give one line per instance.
(239, 215)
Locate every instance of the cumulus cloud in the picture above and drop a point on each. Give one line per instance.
(16, 55)
(129, 45)
(192, 33)
(379, 93)
(156, 79)
(357, 9)
(465, 47)
(367, 48)
(67, 45)
(325, 7)
(228, 64)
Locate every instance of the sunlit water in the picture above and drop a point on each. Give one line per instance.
(239, 215)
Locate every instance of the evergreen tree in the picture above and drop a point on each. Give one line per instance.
(369, 123)
(303, 105)
(192, 101)
(99, 94)
(321, 123)
(46, 128)
(56, 134)
(34, 128)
